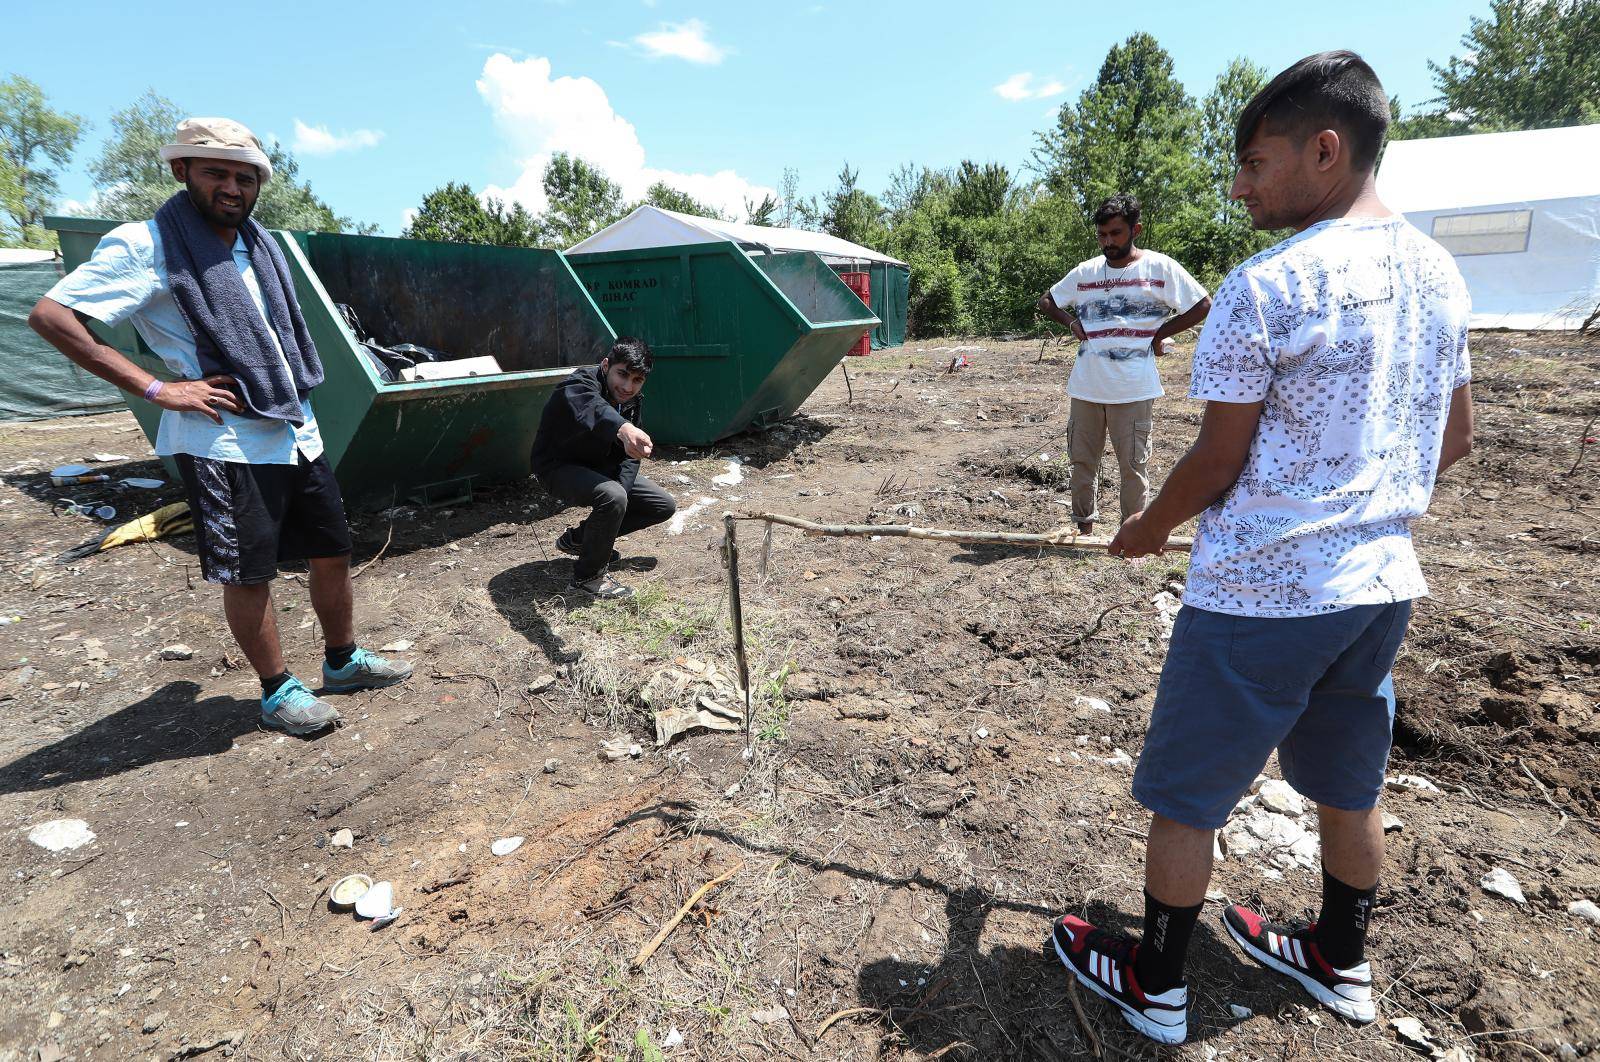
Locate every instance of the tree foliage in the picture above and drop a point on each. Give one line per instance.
(453, 213)
(36, 141)
(583, 200)
(666, 197)
(131, 182)
(1532, 64)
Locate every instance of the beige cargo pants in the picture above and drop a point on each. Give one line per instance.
(1128, 424)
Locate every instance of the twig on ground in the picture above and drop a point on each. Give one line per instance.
(1099, 621)
(672, 923)
(985, 994)
(1089, 1034)
(849, 391)
(381, 550)
(283, 912)
(1583, 443)
(840, 1015)
(1547, 798)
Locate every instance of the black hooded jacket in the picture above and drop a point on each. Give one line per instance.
(580, 425)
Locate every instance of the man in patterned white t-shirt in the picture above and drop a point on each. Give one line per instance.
(1335, 373)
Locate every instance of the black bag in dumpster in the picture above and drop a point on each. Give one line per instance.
(416, 353)
(387, 361)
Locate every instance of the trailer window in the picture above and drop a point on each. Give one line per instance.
(1491, 232)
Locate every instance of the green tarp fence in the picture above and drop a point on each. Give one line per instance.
(35, 380)
(891, 294)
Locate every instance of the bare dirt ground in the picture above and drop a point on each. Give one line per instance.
(932, 782)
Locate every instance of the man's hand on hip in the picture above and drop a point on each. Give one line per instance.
(635, 443)
(1077, 330)
(200, 396)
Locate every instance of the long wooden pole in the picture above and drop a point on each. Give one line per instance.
(736, 614)
(1065, 540)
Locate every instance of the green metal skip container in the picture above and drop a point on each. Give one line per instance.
(425, 440)
(740, 340)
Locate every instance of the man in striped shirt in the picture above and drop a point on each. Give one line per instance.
(1122, 305)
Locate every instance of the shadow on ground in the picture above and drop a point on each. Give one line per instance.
(170, 724)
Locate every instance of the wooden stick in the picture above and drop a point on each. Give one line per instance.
(837, 1016)
(850, 391)
(672, 923)
(736, 614)
(1083, 1019)
(1067, 539)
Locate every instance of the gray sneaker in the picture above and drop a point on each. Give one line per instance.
(295, 710)
(603, 588)
(364, 672)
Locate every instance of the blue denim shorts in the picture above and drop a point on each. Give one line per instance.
(1316, 688)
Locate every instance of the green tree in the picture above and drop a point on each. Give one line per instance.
(35, 142)
(980, 191)
(794, 210)
(762, 213)
(1532, 64)
(132, 182)
(663, 195)
(852, 214)
(452, 213)
(1223, 237)
(1134, 130)
(583, 200)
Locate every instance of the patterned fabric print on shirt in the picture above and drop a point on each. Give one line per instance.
(1352, 335)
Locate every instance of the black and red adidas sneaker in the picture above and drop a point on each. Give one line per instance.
(1292, 951)
(1103, 963)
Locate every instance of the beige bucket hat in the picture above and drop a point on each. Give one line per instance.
(218, 138)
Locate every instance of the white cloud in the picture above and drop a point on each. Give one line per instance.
(539, 115)
(681, 40)
(317, 140)
(1021, 87)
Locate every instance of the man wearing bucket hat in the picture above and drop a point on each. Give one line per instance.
(209, 291)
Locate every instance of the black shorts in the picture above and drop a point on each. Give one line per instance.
(250, 518)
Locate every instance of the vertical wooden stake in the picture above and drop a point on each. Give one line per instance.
(730, 546)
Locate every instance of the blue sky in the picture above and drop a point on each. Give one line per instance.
(385, 101)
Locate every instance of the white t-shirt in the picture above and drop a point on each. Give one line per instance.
(1120, 310)
(1353, 334)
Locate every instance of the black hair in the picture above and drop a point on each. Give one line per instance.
(633, 354)
(1122, 206)
(1329, 90)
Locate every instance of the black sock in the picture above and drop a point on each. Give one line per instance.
(1341, 932)
(1159, 964)
(339, 655)
(269, 686)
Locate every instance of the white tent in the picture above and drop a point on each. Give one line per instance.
(1520, 212)
(650, 226)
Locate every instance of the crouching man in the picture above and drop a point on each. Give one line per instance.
(587, 453)
(209, 292)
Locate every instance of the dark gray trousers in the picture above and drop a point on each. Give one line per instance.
(614, 511)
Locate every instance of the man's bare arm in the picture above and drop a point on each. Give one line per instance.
(1200, 477)
(1457, 428)
(62, 329)
(1185, 320)
(1047, 306)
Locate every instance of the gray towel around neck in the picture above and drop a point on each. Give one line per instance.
(230, 336)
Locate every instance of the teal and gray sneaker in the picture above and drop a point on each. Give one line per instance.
(364, 672)
(296, 710)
